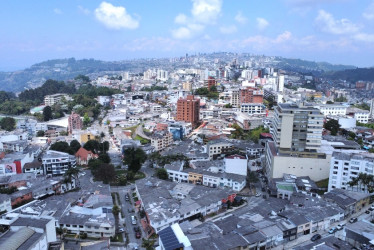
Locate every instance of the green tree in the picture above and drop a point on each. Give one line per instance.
(62, 146)
(105, 173)
(8, 123)
(104, 157)
(162, 174)
(73, 173)
(333, 126)
(148, 244)
(75, 145)
(86, 119)
(47, 113)
(371, 150)
(40, 133)
(122, 180)
(93, 146)
(134, 158)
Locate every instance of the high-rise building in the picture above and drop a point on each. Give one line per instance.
(187, 86)
(280, 83)
(371, 114)
(188, 109)
(297, 128)
(251, 95)
(211, 81)
(74, 122)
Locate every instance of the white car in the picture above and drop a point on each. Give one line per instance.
(258, 194)
(133, 220)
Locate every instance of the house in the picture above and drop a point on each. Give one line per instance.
(359, 233)
(83, 156)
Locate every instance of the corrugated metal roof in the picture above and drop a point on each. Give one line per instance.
(17, 239)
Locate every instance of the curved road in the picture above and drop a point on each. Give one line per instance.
(139, 131)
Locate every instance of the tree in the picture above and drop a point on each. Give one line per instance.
(104, 157)
(47, 113)
(115, 210)
(8, 123)
(333, 126)
(92, 145)
(86, 119)
(134, 158)
(122, 180)
(162, 174)
(40, 133)
(105, 173)
(59, 231)
(62, 146)
(73, 173)
(148, 244)
(75, 145)
(371, 150)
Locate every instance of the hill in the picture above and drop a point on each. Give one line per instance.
(352, 75)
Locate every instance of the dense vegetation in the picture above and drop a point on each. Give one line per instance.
(153, 88)
(8, 123)
(353, 75)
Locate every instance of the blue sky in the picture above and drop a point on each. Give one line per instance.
(336, 31)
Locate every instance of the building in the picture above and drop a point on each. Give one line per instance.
(210, 82)
(251, 95)
(187, 86)
(162, 75)
(5, 203)
(371, 113)
(188, 109)
(173, 238)
(74, 122)
(50, 100)
(350, 201)
(57, 163)
(360, 115)
(345, 166)
(161, 140)
(83, 156)
(332, 109)
(297, 128)
(236, 164)
(253, 109)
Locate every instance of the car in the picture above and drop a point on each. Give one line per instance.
(372, 206)
(127, 197)
(340, 227)
(352, 220)
(130, 210)
(371, 209)
(258, 195)
(121, 230)
(333, 230)
(367, 211)
(316, 237)
(138, 235)
(133, 220)
(137, 229)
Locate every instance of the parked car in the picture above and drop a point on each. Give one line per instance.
(333, 230)
(340, 227)
(316, 237)
(371, 209)
(127, 197)
(352, 220)
(136, 229)
(138, 235)
(367, 211)
(133, 220)
(258, 195)
(121, 230)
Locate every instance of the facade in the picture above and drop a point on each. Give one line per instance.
(83, 156)
(235, 100)
(236, 164)
(251, 95)
(210, 82)
(253, 108)
(217, 148)
(57, 163)
(74, 122)
(332, 109)
(360, 115)
(297, 128)
(161, 140)
(50, 100)
(346, 166)
(5, 203)
(188, 109)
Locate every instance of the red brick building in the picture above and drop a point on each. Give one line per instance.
(188, 109)
(251, 95)
(211, 82)
(75, 122)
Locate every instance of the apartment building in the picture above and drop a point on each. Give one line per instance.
(253, 108)
(161, 140)
(50, 100)
(188, 109)
(57, 163)
(251, 95)
(332, 109)
(345, 166)
(297, 128)
(74, 122)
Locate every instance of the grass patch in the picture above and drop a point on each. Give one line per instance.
(142, 140)
(117, 238)
(133, 128)
(323, 183)
(139, 175)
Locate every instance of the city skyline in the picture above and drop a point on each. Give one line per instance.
(335, 31)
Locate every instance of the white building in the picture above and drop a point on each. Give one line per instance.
(236, 164)
(5, 203)
(345, 166)
(57, 163)
(361, 115)
(50, 100)
(162, 75)
(332, 109)
(253, 108)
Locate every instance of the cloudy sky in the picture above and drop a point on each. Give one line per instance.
(336, 31)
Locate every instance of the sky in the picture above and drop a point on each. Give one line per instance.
(335, 31)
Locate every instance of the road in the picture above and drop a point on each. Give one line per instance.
(139, 131)
(126, 206)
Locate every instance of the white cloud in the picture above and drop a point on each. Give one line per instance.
(328, 24)
(115, 17)
(285, 36)
(57, 11)
(364, 37)
(262, 23)
(181, 19)
(84, 10)
(228, 29)
(369, 12)
(206, 11)
(203, 13)
(240, 18)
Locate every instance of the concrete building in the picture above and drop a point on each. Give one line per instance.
(57, 163)
(173, 238)
(5, 203)
(251, 95)
(188, 109)
(236, 164)
(346, 166)
(50, 100)
(187, 86)
(332, 109)
(297, 128)
(360, 115)
(253, 109)
(75, 122)
(161, 140)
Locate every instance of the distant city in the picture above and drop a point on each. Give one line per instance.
(207, 151)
